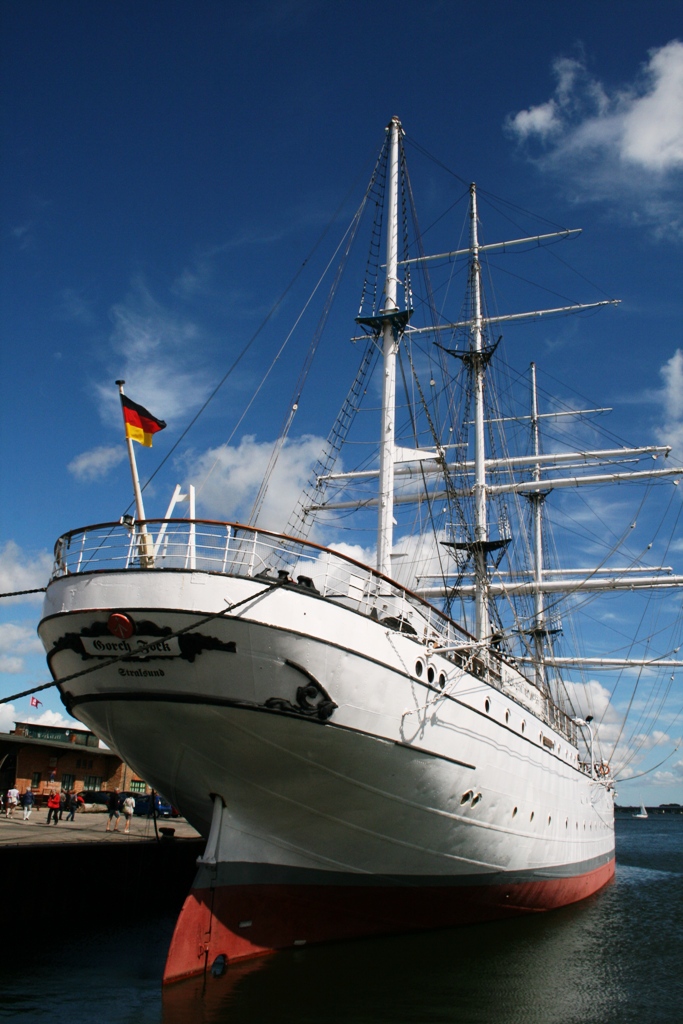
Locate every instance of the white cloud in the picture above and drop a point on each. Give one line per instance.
(11, 665)
(611, 144)
(228, 478)
(542, 120)
(54, 718)
(157, 356)
(592, 698)
(13, 635)
(96, 463)
(366, 556)
(670, 399)
(628, 752)
(650, 740)
(7, 717)
(672, 372)
(669, 777)
(652, 123)
(643, 123)
(23, 570)
(16, 641)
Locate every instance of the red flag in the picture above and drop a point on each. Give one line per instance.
(35, 702)
(140, 424)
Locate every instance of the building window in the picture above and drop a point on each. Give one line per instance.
(92, 782)
(35, 780)
(68, 781)
(137, 786)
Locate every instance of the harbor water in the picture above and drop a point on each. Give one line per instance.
(613, 959)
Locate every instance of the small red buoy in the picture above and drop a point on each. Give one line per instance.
(120, 625)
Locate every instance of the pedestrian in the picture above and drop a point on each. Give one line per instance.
(27, 802)
(62, 803)
(128, 808)
(71, 805)
(113, 810)
(12, 800)
(53, 807)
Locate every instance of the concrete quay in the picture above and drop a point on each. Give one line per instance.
(70, 876)
(87, 827)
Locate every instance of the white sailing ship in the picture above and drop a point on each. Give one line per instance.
(361, 758)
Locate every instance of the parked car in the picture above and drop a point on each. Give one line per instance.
(143, 806)
(94, 800)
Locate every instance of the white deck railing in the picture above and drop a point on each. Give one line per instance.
(234, 550)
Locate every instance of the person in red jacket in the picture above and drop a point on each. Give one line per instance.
(53, 807)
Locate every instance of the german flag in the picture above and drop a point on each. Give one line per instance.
(140, 424)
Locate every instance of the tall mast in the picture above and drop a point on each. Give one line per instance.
(537, 498)
(385, 522)
(478, 358)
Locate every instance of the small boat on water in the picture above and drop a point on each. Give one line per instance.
(371, 741)
(642, 813)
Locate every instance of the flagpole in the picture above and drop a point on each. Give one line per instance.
(146, 557)
(140, 508)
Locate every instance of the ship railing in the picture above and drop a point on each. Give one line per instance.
(233, 549)
(559, 720)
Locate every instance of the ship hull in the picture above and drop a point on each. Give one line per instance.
(342, 794)
(241, 922)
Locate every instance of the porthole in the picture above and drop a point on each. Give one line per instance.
(466, 796)
(523, 726)
(514, 812)
(531, 816)
(476, 799)
(487, 705)
(566, 822)
(419, 669)
(549, 818)
(507, 716)
(442, 679)
(431, 674)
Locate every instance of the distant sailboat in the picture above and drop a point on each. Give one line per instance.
(642, 813)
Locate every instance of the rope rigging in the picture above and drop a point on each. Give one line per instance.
(439, 415)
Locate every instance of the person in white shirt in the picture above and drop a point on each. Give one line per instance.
(128, 808)
(12, 800)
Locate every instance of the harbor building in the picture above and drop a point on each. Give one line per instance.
(49, 758)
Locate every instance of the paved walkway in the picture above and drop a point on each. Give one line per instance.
(88, 827)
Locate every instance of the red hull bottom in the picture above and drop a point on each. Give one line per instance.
(247, 921)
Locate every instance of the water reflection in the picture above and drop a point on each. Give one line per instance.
(540, 970)
(609, 960)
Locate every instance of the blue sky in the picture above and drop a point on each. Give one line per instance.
(168, 166)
